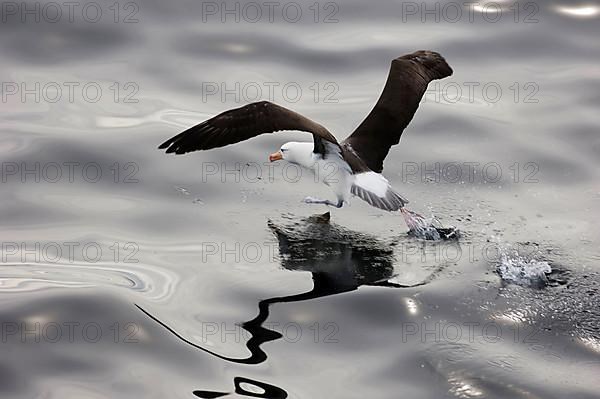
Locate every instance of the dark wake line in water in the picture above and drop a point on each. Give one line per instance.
(259, 334)
(250, 360)
(339, 261)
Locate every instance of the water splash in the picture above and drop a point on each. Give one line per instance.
(518, 269)
(427, 228)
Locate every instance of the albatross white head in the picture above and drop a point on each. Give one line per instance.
(297, 153)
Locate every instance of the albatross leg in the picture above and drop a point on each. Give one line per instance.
(312, 200)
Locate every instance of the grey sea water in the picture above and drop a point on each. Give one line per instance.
(128, 272)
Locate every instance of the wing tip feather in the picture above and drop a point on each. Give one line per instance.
(434, 64)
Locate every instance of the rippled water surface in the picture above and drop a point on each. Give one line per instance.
(127, 272)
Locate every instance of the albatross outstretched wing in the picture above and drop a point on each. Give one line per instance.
(243, 123)
(406, 83)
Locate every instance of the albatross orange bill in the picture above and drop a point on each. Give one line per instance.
(276, 156)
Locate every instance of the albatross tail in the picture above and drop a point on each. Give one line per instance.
(375, 189)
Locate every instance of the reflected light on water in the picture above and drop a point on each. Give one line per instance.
(514, 316)
(411, 305)
(490, 6)
(579, 12)
(463, 389)
(487, 8)
(591, 343)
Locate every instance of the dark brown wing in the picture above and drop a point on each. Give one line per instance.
(243, 123)
(407, 81)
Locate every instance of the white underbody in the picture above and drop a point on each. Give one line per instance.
(335, 172)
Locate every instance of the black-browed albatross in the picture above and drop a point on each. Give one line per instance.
(353, 166)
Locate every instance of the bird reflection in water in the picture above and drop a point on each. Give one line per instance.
(339, 259)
